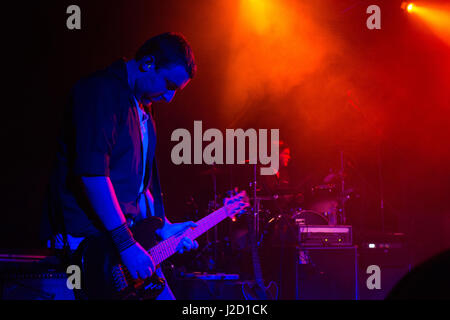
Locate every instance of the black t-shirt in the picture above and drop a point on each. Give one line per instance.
(101, 137)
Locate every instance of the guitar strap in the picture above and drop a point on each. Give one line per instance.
(155, 185)
(156, 192)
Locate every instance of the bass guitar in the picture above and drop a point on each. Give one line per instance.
(103, 276)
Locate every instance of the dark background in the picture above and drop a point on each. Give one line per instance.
(396, 77)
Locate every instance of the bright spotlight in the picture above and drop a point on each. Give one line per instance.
(408, 6)
(436, 17)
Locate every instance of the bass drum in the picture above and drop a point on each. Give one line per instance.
(309, 217)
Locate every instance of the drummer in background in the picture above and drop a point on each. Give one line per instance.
(280, 179)
(278, 186)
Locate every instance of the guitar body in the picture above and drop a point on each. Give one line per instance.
(104, 277)
(260, 292)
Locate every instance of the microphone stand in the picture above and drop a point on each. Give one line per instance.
(380, 178)
(255, 207)
(216, 236)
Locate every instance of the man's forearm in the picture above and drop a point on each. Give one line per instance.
(102, 196)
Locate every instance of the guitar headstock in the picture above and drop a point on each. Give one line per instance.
(236, 204)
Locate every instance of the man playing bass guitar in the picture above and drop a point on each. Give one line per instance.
(105, 178)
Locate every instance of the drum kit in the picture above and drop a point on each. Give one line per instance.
(320, 204)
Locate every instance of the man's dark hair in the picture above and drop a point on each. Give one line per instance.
(169, 48)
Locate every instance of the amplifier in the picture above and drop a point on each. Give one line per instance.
(32, 277)
(47, 285)
(323, 235)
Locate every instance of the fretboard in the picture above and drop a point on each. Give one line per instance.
(168, 247)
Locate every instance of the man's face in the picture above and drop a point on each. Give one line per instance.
(155, 85)
(285, 156)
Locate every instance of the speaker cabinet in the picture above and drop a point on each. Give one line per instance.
(327, 273)
(37, 286)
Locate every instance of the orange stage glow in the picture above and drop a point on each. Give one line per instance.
(256, 13)
(276, 45)
(410, 7)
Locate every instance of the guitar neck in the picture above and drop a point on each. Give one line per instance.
(168, 247)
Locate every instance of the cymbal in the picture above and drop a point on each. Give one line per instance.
(276, 196)
(288, 192)
(283, 192)
(334, 176)
(264, 198)
(247, 161)
(213, 170)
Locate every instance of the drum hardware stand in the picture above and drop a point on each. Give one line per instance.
(216, 232)
(342, 197)
(212, 209)
(380, 177)
(255, 207)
